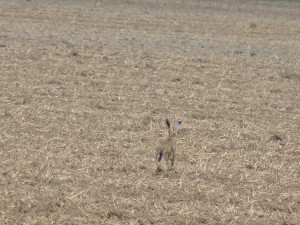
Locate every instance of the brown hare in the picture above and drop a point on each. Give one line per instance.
(166, 149)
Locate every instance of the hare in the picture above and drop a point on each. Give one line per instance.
(166, 149)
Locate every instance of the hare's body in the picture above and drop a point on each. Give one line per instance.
(166, 151)
(167, 148)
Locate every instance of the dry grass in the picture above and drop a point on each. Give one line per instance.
(86, 86)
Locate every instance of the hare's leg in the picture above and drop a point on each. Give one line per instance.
(173, 158)
(158, 159)
(167, 159)
(170, 164)
(159, 155)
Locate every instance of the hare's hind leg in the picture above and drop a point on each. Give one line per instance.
(173, 158)
(159, 159)
(159, 155)
(170, 161)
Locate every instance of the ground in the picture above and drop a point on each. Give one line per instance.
(86, 87)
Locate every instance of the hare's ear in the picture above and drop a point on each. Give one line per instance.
(177, 126)
(168, 123)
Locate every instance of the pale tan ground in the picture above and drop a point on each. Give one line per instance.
(85, 89)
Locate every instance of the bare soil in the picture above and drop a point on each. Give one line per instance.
(85, 89)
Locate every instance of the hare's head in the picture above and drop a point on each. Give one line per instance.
(174, 128)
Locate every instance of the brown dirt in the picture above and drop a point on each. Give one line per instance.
(86, 86)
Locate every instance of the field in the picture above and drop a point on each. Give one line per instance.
(85, 89)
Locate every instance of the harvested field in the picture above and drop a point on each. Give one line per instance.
(86, 87)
